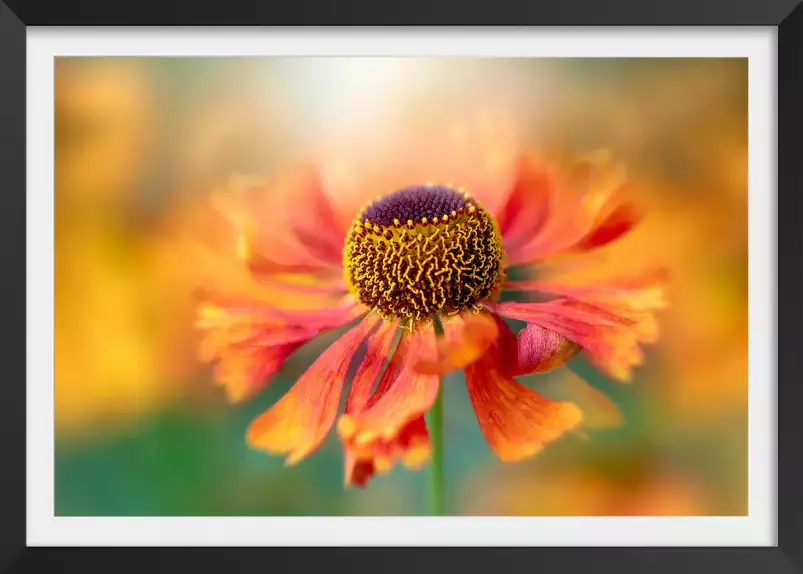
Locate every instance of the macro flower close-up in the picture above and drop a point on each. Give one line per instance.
(401, 286)
(428, 279)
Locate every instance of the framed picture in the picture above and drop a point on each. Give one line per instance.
(402, 277)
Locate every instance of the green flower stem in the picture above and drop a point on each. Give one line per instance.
(435, 491)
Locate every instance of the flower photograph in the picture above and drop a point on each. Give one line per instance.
(387, 286)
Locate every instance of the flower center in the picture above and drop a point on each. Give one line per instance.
(423, 251)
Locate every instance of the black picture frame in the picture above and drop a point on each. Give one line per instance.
(787, 15)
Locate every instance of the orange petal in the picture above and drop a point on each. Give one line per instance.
(256, 234)
(270, 234)
(526, 207)
(378, 350)
(214, 251)
(305, 283)
(248, 345)
(365, 459)
(315, 225)
(575, 311)
(390, 425)
(541, 350)
(622, 219)
(610, 341)
(622, 311)
(623, 296)
(465, 339)
(326, 314)
(243, 372)
(298, 423)
(515, 421)
(402, 393)
(590, 192)
(232, 248)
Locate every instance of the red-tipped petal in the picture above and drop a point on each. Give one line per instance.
(465, 339)
(367, 458)
(589, 201)
(526, 207)
(515, 421)
(298, 423)
(541, 350)
(256, 234)
(316, 225)
(622, 219)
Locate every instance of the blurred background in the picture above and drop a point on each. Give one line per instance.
(142, 430)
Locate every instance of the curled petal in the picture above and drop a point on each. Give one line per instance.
(541, 350)
(465, 339)
(515, 421)
(298, 423)
(610, 341)
(620, 313)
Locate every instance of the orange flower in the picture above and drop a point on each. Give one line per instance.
(421, 270)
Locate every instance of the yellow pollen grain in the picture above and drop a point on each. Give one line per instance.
(365, 437)
(416, 457)
(396, 222)
(382, 465)
(424, 220)
(346, 426)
